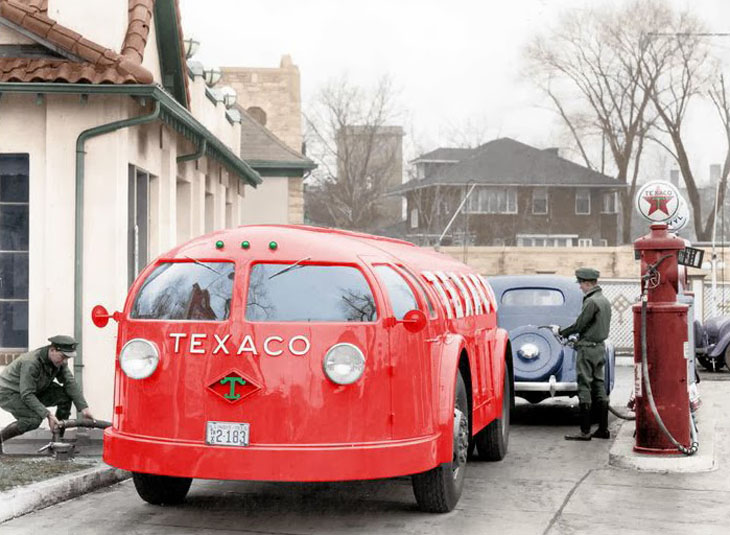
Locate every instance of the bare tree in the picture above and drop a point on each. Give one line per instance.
(346, 133)
(719, 95)
(684, 74)
(593, 68)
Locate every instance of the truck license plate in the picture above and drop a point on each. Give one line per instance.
(226, 434)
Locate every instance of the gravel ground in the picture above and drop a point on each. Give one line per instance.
(23, 470)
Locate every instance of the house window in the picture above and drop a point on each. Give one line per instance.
(487, 200)
(539, 201)
(585, 242)
(582, 202)
(138, 222)
(545, 240)
(610, 203)
(603, 242)
(14, 239)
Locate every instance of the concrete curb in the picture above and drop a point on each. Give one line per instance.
(622, 454)
(22, 500)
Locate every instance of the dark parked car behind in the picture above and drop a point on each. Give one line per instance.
(542, 367)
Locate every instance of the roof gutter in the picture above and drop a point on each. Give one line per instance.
(79, 222)
(197, 155)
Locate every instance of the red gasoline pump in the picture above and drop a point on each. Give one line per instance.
(660, 334)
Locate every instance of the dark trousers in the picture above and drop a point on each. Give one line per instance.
(53, 396)
(591, 371)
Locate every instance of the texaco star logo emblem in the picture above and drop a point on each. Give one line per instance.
(657, 201)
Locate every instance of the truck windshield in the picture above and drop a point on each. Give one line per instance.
(192, 290)
(309, 293)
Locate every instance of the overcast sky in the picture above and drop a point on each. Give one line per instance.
(453, 60)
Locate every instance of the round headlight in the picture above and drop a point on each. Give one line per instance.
(139, 358)
(344, 364)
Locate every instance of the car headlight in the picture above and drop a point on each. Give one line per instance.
(139, 358)
(344, 364)
(528, 351)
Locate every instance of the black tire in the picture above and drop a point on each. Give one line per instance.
(161, 490)
(439, 489)
(492, 441)
(711, 364)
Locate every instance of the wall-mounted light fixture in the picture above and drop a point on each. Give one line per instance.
(212, 76)
(191, 47)
(229, 96)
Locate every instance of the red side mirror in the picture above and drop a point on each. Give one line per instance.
(100, 316)
(414, 321)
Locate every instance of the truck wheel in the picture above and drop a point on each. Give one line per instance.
(439, 489)
(492, 441)
(161, 490)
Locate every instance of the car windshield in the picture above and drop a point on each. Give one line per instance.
(533, 297)
(309, 293)
(192, 290)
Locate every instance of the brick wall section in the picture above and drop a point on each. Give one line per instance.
(612, 262)
(7, 358)
(276, 91)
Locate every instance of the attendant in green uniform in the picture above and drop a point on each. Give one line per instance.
(592, 326)
(40, 379)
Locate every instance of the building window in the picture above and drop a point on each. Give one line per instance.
(138, 222)
(258, 115)
(487, 200)
(610, 203)
(582, 202)
(585, 242)
(603, 242)
(546, 240)
(14, 240)
(540, 201)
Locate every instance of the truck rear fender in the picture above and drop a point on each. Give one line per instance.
(445, 385)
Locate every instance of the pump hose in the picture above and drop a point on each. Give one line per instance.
(647, 385)
(620, 414)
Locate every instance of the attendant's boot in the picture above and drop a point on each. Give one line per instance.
(602, 431)
(585, 424)
(9, 432)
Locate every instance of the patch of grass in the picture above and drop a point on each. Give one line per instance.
(17, 471)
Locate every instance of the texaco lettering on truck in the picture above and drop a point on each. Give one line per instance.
(290, 353)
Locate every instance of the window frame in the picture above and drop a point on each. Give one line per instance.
(546, 199)
(26, 300)
(420, 304)
(605, 200)
(582, 194)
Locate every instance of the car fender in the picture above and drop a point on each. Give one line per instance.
(500, 356)
(445, 386)
(719, 348)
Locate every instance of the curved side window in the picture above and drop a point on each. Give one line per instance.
(430, 277)
(400, 294)
(481, 291)
(452, 292)
(478, 306)
(464, 293)
(199, 291)
(419, 284)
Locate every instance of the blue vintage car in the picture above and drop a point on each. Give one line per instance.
(542, 366)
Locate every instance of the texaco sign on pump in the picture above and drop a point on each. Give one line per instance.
(287, 353)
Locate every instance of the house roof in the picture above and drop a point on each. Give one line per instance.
(81, 60)
(444, 154)
(505, 161)
(262, 149)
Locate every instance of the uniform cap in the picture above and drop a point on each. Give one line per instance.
(65, 344)
(586, 274)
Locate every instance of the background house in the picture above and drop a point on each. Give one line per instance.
(521, 196)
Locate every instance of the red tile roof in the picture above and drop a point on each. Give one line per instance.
(100, 65)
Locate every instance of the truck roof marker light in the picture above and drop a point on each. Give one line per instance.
(273, 245)
(245, 244)
(219, 244)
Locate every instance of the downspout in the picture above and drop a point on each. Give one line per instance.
(79, 223)
(194, 155)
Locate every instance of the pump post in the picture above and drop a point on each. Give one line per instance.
(666, 344)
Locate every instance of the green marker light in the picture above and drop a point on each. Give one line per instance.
(245, 244)
(219, 244)
(273, 245)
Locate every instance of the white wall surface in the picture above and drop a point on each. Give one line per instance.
(103, 22)
(268, 203)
